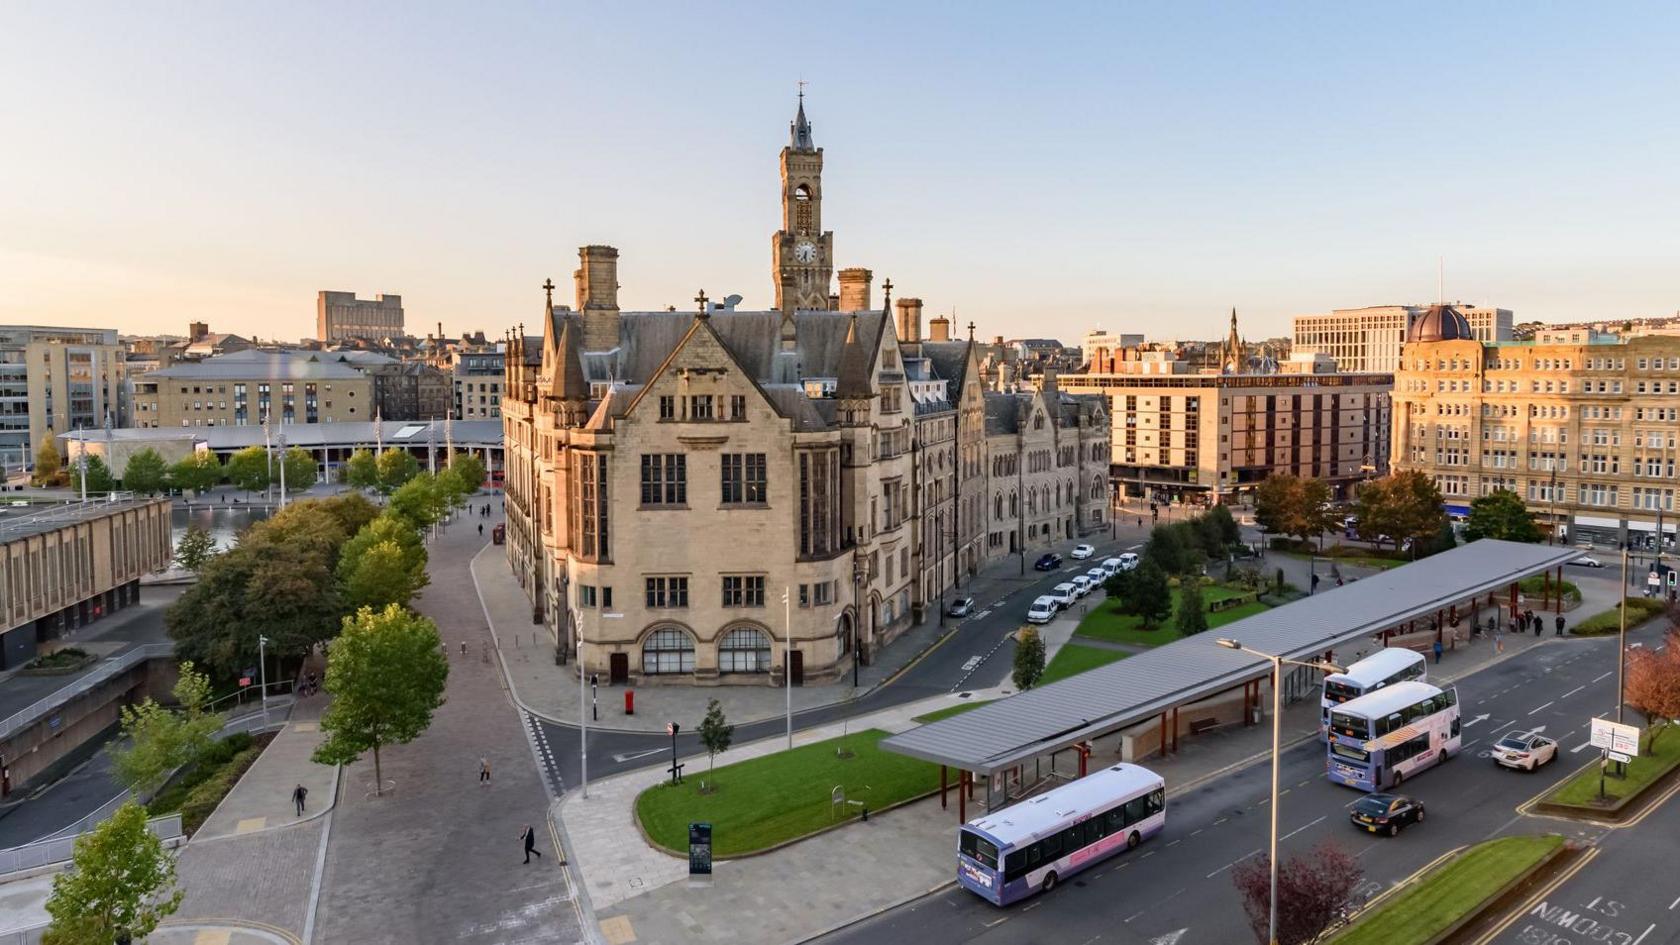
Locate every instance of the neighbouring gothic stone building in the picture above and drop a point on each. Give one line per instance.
(669, 474)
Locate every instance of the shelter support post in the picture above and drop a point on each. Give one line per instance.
(1175, 729)
(943, 804)
(962, 797)
(1163, 734)
(1558, 607)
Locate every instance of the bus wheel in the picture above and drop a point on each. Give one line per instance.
(1133, 840)
(1398, 777)
(1049, 882)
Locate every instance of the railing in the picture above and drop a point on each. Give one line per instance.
(58, 849)
(68, 512)
(107, 670)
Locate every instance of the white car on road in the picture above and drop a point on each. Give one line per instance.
(1098, 576)
(1043, 610)
(1082, 584)
(1588, 561)
(1081, 552)
(1524, 751)
(1128, 561)
(1064, 594)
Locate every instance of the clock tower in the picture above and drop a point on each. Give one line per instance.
(802, 254)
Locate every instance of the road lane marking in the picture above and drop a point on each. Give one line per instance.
(1572, 692)
(1539, 896)
(1604, 677)
(1578, 748)
(1220, 821)
(1547, 705)
(1642, 935)
(1232, 863)
(1676, 902)
(1301, 828)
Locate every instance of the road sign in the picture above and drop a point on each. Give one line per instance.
(1615, 737)
(699, 849)
(1619, 757)
(1653, 580)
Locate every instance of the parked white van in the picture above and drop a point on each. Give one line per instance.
(1043, 610)
(1064, 595)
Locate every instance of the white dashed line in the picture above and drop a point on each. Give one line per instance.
(1301, 828)
(1531, 712)
(1572, 692)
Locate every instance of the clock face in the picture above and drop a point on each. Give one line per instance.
(805, 251)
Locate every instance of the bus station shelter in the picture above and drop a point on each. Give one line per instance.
(998, 737)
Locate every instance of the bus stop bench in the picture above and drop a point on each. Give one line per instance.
(1203, 725)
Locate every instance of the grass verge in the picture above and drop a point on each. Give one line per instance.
(769, 800)
(1537, 586)
(949, 711)
(1450, 893)
(1643, 771)
(1073, 659)
(1640, 609)
(1104, 622)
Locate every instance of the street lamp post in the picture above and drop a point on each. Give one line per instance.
(787, 660)
(1277, 738)
(583, 708)
(262, 672)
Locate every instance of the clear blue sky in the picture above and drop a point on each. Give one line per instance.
(1135, 167)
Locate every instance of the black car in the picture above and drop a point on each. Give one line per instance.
(1386, 813)
(1049, 561)
(961, 607)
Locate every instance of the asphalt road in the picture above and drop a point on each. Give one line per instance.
(946, 668)
(1627, 894)
(1177, 889)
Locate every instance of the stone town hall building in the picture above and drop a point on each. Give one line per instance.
(669, 473)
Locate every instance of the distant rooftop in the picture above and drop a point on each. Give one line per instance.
(256, 363)
(17, 523)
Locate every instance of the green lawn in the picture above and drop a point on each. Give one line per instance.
(1640, 609)
(1449, 893)
(1582, 789)
(1105, 623)
(1536, 585)
(780, 797)
(1073, 659)
(949, 711)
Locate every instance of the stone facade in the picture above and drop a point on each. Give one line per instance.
(1049, 454)
(54, 380)
(670, 476)
(1367, 340)
(1582, 425)
(242, 388)
(340, 315)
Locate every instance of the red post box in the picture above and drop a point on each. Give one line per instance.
(629, 702)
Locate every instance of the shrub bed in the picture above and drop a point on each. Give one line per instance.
(195, 791)
(1640, 609)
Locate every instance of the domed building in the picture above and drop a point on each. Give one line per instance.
(1439, 323)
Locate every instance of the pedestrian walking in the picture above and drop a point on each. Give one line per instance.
(481, 529)
(1438, 650)
(529, 838)
(463, 648)
(299, 795)
(1537, 624)
(483, 771)
(1498, 642)
(1560, 625)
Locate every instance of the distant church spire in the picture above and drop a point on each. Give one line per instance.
(800, 130)
(1231, 353)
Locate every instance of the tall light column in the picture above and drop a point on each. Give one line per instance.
(1277, 739)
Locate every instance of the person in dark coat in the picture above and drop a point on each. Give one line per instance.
(1560, 625)
(299, 794)
(529, 837)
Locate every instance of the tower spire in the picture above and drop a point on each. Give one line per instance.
(800, 130)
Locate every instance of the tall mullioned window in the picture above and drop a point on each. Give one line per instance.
(664, 479)
(819, 512)
(592, 506)
(744, 479)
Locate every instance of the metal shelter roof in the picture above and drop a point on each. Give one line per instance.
(1132, 690)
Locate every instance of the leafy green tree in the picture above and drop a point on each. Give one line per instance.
(146, 472)
(378, 577)
(1166, 548)
(301, 470)
(97, 473)
(1501, 514)
(248, 469)
(395, 467)
(1029, 659)
(1443, 540)
(362, 470)
(351, 510)
(388, 527)
(716, 734)
(120, 884)
(196, 472)
(157, 740)
(455, 488)
(196, 547)
(420, 500)
(49, 464)
(1216, 531)
(283, 590)
(1405, 506)
(1192, 609)
(1149, 596)
(386, 672)
(471, 469)
(1277, 501)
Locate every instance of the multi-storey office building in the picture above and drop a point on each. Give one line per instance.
(476, 378)
(244, 387)
(668, 474)
(1367, 340)
(53, 380)
(1192, 434)
(1582, 425)
(340, 315)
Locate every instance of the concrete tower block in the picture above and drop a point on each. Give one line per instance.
(854, 289)
(910, 320)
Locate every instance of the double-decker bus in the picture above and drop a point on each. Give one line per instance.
(1031, 846)
(1376, 741)
(1382, 668)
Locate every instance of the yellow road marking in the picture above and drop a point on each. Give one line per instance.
(212, 937)
(617, 930)
(1530, 902)
(251, 825)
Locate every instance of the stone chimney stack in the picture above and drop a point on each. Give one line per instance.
(910, 320)
(854, 289)
(597, 296)
(939, 328)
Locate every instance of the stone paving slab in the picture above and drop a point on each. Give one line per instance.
(263, 799)
(264, 879)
